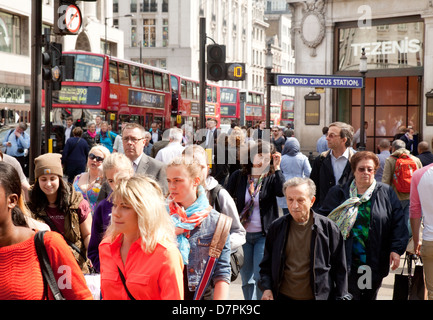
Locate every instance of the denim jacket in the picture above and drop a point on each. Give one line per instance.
(199, 240)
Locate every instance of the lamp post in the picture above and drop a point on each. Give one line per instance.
(363, 71)
(268, 67)
(105, 22)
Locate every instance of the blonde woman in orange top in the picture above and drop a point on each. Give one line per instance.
(20, 271)
(140, 245)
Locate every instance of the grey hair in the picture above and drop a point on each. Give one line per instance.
(297, 181)
(398, 144)
(346, 131)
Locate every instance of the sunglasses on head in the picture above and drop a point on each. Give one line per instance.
(93, 157)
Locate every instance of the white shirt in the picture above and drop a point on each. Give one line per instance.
(154, 136)
(338, 164)
(136, 162)
(169, 152)
(209, 137)
(68, 132)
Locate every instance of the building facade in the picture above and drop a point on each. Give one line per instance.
(329, 37)
(15, 47)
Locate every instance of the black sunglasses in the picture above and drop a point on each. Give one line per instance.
(93, 157)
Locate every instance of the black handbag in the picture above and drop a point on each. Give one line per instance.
(410, 286)
(47, 271)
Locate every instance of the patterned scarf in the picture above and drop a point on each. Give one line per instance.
(345, 214)
(189, 219)
(245, 215)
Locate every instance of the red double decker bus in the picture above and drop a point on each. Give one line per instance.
(116, 89)
(254, 108)
(186, 100)
(229, 107)
(287, 112)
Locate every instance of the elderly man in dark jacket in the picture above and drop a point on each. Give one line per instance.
(304, 252)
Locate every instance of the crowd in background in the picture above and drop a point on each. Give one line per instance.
(140, 207)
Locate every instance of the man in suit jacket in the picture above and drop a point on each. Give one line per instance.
(155, 132)
(333, 166)
(133, 136)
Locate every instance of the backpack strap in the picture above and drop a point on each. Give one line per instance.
(47, 271)
(214, 201)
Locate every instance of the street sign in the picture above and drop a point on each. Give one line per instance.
(322, 81)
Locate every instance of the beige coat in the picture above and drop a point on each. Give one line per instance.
(389, 168)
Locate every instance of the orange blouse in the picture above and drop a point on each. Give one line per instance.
(20, 271)
(155, 276)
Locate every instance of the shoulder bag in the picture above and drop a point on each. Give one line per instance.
(216, 247)
(47, 271)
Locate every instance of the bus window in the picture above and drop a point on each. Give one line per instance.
(214, 94)
(87, 68)
(113, 72)
(166, 82)
(174, 84)
(183, 88)
(157, 76)
(124, 73)
(196, 91)
(135, 76)
(148, 79)
(190, 93)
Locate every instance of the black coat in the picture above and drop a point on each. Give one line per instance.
(388, 230)
(327, 261)
(322, 174)
(272, 187)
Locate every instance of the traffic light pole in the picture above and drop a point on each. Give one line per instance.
(35, 88)
(202, 124)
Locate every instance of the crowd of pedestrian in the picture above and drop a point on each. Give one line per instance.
(141, 209)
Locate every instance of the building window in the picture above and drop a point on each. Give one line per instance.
(148, 6)
(133, 5)
(165, 32)
(149, 33)
(10, 35)
(164, 5)
(115, 6)
(133, 36)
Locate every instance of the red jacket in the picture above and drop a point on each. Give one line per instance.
(155, 276)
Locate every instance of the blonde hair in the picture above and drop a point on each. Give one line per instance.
(145, 196)
(192, 165)
(118, 161)
(236, 137)
(102, 149)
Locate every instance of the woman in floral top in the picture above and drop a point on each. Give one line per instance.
(89, 182)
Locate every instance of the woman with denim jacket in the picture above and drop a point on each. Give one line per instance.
(196, 222)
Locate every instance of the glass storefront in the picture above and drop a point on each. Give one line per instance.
(394, 80)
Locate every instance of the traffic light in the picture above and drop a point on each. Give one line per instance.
(52, 64)
(216, 66)
(46, 63)
(57, 67)
(218, 69)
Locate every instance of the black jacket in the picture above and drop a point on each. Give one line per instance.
(388, 230)
(327, 261)
(272, 187)
(322, 174)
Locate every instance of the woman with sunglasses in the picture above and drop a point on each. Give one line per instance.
(89, 182)
(372, 222)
